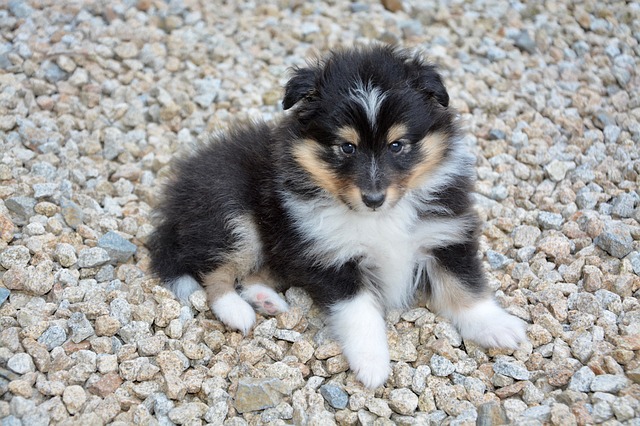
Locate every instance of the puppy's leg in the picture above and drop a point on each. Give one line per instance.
(359, 326)
(257, 289)
(225, 302)
(458, 291)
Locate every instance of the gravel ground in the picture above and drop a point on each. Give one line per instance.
(95, 99)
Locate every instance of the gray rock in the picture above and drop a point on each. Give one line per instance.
(287, 335)
(11, 420)
(497, 260)
(491, 413)
(187, 412)
(403, 401)
(511, 369)
(21, 363)
(206, 91)
(44, 190)
(623, 204)
(584, 302)
(161, 404)
(601, 412)
(15, 256)
(72, 213)
(634, 258)
(586, 200)
(258, 394)
(21, 206)
(118, 248)
(542, 413)
(557, 170)
(581, 380)
(623, 408)
(548, 220)
(53, 337)
(524, 42)
(92, 257)
(134, 332)
(496, 134)
(525, 235)
(106, 273)
(611, 133)
(499, 193)
(334, 395)
(359, 7)
(65, 254)
(615, 239)
(519, 139)
(80, 326)
(4, 295)
(608, 383)
(494, 53)
(20, 9)
(53, 73)
(440, 366)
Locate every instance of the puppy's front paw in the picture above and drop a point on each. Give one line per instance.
(371, 366)
(264, 299)
(490, 326)
(360, 328)
(234, 312)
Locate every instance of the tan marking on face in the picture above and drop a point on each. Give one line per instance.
(394, 193)
(396, 132)
(353, 197)
(306, 153)
(349, 134)
(431, 148)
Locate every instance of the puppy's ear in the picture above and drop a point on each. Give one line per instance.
(301, 85)
(429, 82)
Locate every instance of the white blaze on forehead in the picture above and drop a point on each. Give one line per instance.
(370, 98)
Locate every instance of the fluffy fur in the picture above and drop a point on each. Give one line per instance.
(361, 194)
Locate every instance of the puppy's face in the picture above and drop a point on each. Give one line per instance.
(370, 125)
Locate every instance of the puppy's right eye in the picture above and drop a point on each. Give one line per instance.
(348, 148)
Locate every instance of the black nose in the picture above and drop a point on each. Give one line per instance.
(373, 200)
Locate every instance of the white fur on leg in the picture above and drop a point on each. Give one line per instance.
(359, 326)
(487, 324)
(183, 287)
(234, 312)
(264, 299)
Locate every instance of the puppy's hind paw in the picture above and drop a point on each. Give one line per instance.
(490, 326)
(264, 299)
(234, 312)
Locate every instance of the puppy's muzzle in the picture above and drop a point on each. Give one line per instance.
(373, 200)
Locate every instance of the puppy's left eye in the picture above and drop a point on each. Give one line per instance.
(396, 146)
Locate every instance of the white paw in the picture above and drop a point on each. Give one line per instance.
(371, 365)
(360, 328)
(490, 326)
(264, 299)
(234, 312)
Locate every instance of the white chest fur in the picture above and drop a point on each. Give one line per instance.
(392, 245)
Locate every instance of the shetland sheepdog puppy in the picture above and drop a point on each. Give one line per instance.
(361, 194)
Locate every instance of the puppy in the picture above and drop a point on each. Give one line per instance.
(361, 194)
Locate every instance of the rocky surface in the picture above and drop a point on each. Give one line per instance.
(97, 97)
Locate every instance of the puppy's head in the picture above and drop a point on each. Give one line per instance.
(369, 124)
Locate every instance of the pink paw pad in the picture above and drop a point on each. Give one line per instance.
(264, 299)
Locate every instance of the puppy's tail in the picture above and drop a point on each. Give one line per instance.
(166, 265)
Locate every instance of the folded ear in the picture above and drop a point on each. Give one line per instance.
(301, 85)
(429, 82)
